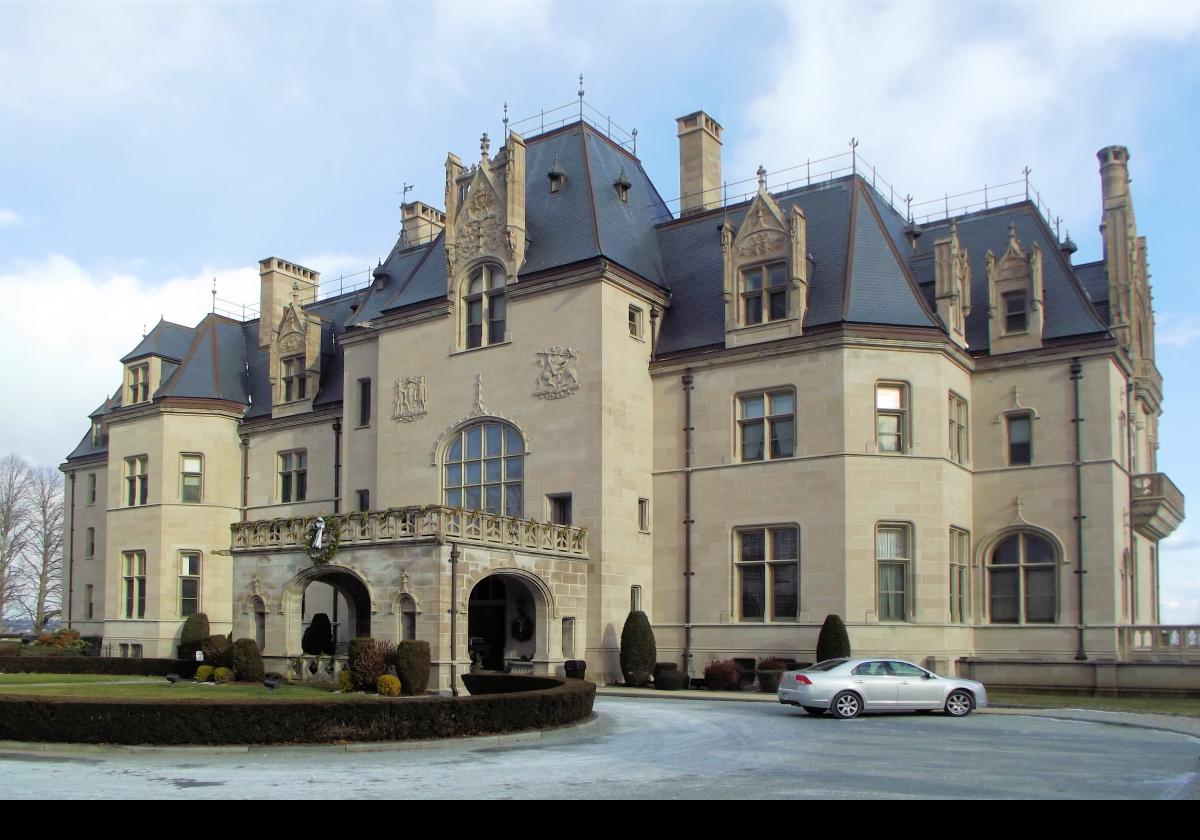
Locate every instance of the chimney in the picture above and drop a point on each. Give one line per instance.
(699, 162)
(1114, 176)
(422, 223)
(278, 280)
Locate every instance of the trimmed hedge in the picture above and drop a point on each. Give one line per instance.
(638, 651)
(115, 665)
(554, 702)
(191, 639)
(412, 662)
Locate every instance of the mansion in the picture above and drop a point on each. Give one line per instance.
(560, 398)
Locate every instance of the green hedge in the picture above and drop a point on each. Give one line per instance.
(115, 665)
(188, 721)
(412, 661)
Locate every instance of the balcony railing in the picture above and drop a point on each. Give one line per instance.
(1161, 642)
(412, 524)
(1157, 505)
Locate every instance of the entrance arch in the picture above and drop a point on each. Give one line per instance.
(339, 593)
(508, 616)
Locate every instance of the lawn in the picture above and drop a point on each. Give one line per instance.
(1137, 705)
(157, 688)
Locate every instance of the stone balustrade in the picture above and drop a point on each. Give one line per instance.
(411, 524)
(1161, 641)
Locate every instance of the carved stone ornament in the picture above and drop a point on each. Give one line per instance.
(412, 399)
(291, 343)
(481, 229)
(762, 243)
(559, 377)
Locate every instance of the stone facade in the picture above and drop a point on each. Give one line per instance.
(739, 487)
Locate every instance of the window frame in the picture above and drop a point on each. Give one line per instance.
(184, 475)
(488, 296)
(133, 584)
(293, 478)
(557, 504)
(959, 428)
(960, 575)
(764, 294)
(905, 564)
(644, 515)
(364, 402)
(139, 383)
(364, 500)
(1006, 299)
(293, 376)
(464, 485)
(137, 481)
(903, 414)
(1009, 419)
(186, 576)
(769, 563)
(637, 322)
(767, 421)
(1023, 567)
(91, 544)
(92, 485)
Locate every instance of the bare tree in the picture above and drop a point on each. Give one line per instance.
(41, 570)
(14, 531)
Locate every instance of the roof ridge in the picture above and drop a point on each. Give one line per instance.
(851, 237)
(591, 193)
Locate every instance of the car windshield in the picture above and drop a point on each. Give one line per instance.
(827, 665)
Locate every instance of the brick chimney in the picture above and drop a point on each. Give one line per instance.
(699, 162)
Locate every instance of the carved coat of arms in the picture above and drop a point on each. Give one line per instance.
(412, 399)
(559, 376)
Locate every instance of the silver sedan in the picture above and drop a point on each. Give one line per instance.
(847, 687)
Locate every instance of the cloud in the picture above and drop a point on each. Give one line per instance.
(1176, 331)
(9, 217)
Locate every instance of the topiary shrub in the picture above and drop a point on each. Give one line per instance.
(318, 638)
(345, 681)
(412, 662)
(834, 641)
(217, 650)
(388, 686)
(723, 675)
(223, 675)
(637, 649)
(191, 638)
(204, 673)
(367, 661)
(246, 660)
(771, 663)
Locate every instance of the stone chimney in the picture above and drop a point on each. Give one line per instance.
(699, 162)
(1118, 231)
(276, 281)
(422, 223)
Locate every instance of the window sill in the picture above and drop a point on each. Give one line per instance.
(463, 350)
(768, 460)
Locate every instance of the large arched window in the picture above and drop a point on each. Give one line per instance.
(1023, 580)
(485, 306)
(485, 468)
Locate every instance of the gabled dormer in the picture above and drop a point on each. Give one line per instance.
(291, 336)
(153, 361)
(766, 271)
(1015, 314)
(952, 285)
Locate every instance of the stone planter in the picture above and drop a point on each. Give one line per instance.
(768, 681)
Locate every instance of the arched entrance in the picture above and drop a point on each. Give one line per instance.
(506, 621)
(338, 594)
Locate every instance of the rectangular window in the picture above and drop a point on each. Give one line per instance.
(764, 293)
(767, 425)
(89, 610)
(893, 553)
(91, 488)
(959, 450)
(91, 543)
(191, 476)
(99, 438)
(1020, 439)
(560, 509)
(960, 552)
(139, 384)
(768, 573)
(294, 380)
(137, 480)
(891, 417)
(568, 638)
(293, 476)
(134, 580)
(475, 322)
(635, 321)
(1015, 317)
(364, 402)
(635, 598)
(189, 583)
(497, 318)
(364, 500)
(644, 515)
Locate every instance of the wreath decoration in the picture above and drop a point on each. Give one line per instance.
(321, 538)
(522, 625)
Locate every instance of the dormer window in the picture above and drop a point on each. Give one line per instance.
(622, 185)
(557, 176)
(485, 306)
(139, 383)
(1016, 316)
(294, 382)
(764, 293)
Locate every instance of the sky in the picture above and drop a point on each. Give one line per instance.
(146, 149)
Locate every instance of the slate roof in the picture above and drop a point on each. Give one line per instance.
(171, 341)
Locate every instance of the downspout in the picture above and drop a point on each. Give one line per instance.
(687, 521)
(1129, 463)
(1076, 376)
(245, 476)
(337, 466)
(454, 619)
(71, 558)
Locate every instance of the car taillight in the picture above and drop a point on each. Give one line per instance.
(803, 680)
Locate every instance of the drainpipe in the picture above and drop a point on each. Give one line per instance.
(687, 522)
(454, 619)
(1076, 376)
(337, 466)
(245, 476)
(71, 558)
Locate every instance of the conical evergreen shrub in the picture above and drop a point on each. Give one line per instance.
(834, 641)
(638, 651)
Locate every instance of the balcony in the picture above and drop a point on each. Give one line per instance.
(1161, 642)
(433, 523)
(1157, 505)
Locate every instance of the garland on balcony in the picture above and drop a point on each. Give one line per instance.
(321, 538)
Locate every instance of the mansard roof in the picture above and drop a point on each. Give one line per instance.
(170, 341)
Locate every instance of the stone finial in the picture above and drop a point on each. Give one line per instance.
(485, 143)
(295, 292)
(1012, 236)
(762, 176)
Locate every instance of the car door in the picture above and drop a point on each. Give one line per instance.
(876, 685)
(916, 688)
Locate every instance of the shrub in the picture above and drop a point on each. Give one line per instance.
(388, 686)
(10, 650)
(61, 639)
(223, 675)
(723, 675)
(345, 681)
(191, 638)
(368, 661)
(672, 680)
(637, 649)
(412, 662)
(217, 650)
(771, 663)
(318, 638)
(246, 660)
(834, 641)
(204, 673)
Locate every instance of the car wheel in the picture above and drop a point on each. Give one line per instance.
(959, 703)
(815, 711)
(846, 705)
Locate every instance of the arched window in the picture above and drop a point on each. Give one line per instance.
(485, 306)
(408, 618)
(1023, 580)
(485, 468)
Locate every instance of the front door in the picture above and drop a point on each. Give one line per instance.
(485, 624)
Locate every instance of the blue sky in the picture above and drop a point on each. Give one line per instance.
(146, 149)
